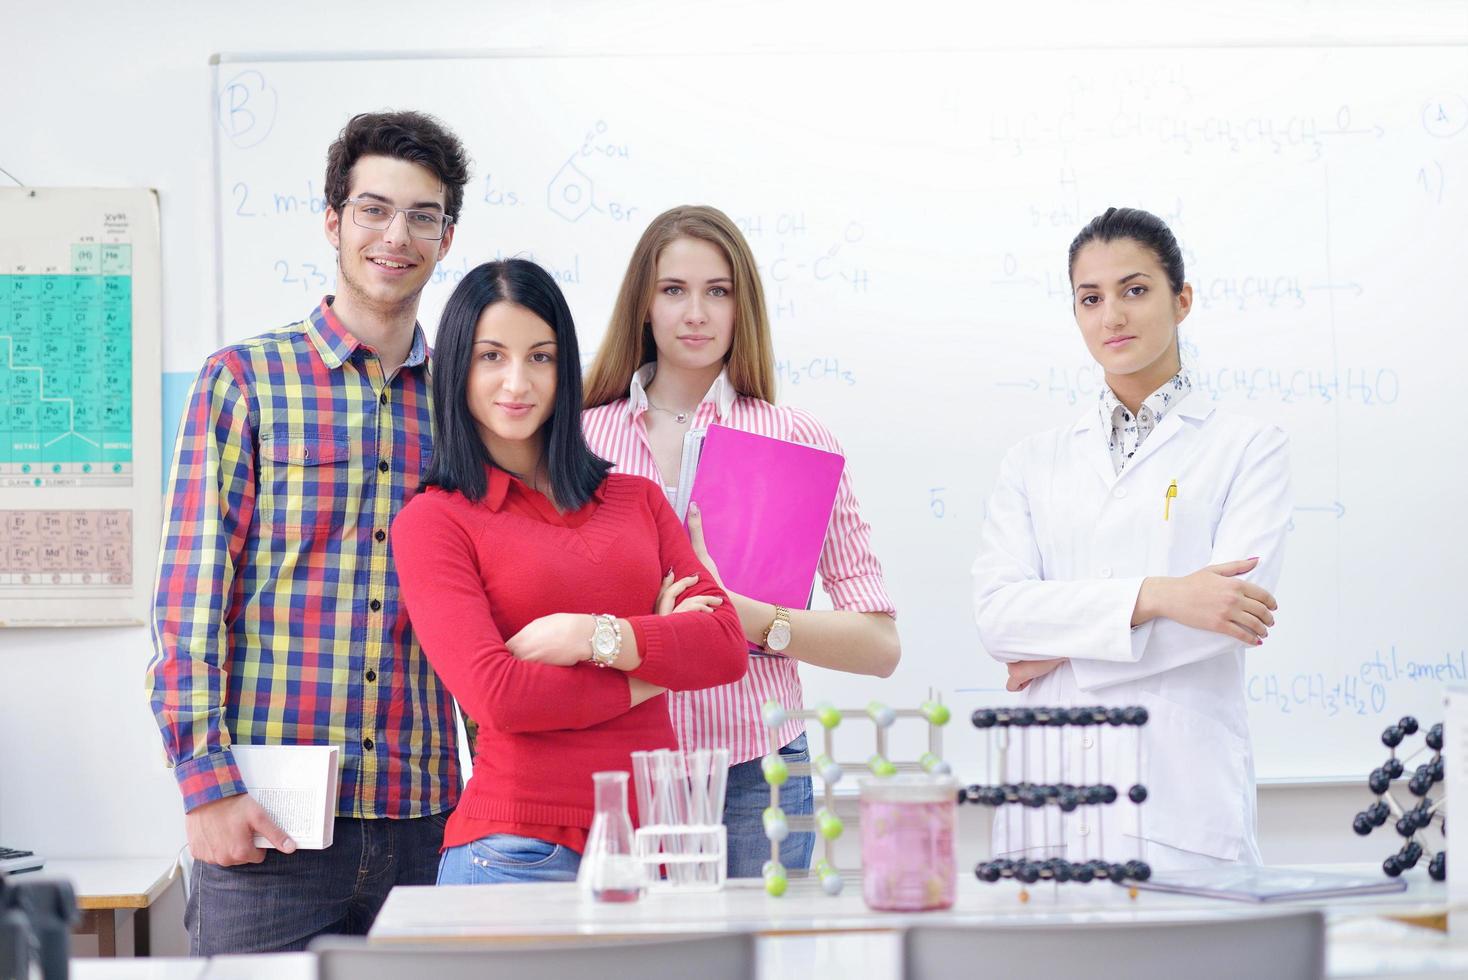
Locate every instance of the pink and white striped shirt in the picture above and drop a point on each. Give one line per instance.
(729, 716)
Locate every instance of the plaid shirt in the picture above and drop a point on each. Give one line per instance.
(277, 618)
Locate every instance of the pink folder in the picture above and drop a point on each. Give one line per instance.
(766, 504)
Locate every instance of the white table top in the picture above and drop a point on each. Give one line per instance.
(271, 966)
(144, 968)
(1356, 948)
(809, 935)
(112, 883)
(551, 911)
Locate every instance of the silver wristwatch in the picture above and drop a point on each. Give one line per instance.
(606, 641)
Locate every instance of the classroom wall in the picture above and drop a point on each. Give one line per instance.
(106, 94)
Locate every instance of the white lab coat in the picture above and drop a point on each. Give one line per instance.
(1065, 547)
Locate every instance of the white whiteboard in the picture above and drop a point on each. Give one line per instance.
(911, 213)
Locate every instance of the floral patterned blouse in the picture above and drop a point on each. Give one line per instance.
(1128, 431)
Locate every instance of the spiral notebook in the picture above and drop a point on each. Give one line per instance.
(766, 505)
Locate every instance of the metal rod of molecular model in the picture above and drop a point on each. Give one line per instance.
(1409, 822)
(779, 824)
(1039, 789)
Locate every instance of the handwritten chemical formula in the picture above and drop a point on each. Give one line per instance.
(794, 258)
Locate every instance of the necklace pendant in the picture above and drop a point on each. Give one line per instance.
(681, 417)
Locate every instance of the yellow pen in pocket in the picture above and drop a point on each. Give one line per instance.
(1167, 501)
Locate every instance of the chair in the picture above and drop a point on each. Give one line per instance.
(715, 957)
(1289, 946)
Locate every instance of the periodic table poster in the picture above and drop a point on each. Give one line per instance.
(80, 368)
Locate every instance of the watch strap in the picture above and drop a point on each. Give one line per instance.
(782, 615)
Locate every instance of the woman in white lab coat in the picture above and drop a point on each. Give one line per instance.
(1129, 559)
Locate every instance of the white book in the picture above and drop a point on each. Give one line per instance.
(296, 785)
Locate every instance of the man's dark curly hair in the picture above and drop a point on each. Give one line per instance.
(412, 136)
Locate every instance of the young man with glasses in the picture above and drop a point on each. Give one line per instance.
(277, 618)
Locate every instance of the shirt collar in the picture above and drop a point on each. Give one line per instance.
(502, 481)
(335, 343)
(1110, 406)
(721, 393)
(499, 488)
(1159, 403)
(418, 353)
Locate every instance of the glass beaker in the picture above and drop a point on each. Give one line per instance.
(610, 871)
(907, 842)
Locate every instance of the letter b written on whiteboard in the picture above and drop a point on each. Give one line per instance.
(246, 109)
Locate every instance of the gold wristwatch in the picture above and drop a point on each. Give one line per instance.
(606, 641)
(777, 634)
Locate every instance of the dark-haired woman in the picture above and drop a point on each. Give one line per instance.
(1128, 559)
(531, 575)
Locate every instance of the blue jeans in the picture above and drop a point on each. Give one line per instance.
(287, 900)
(501, 858)
(744, 806)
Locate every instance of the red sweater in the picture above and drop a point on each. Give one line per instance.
(473, 574)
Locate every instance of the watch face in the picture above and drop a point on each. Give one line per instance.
(779, 637)
(604, 640)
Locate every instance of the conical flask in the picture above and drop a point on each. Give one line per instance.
(610, 871)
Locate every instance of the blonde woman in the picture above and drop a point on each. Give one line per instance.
(689, 345)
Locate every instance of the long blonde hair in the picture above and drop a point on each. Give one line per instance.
(628, 343)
